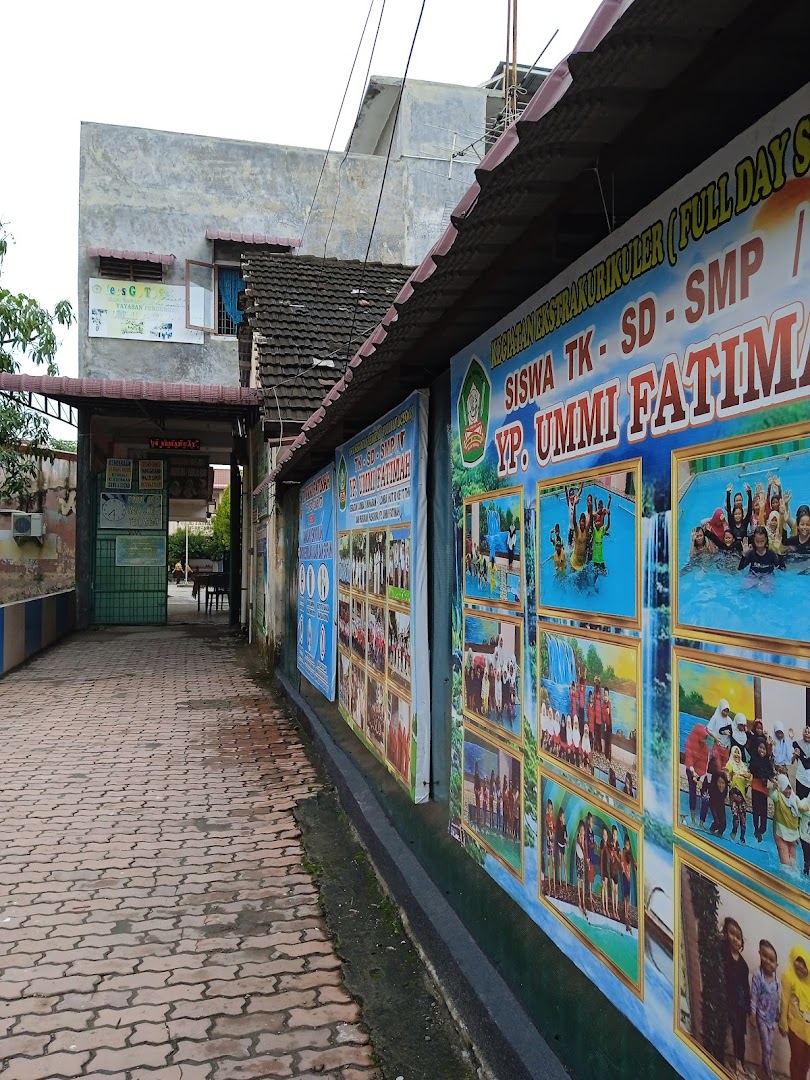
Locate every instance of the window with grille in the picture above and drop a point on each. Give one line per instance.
(212, 297)
(129, 269)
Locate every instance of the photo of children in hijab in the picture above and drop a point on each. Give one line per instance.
(744, 767)
(742, 541)
(743, 979)
(492, 800)
(591, 875)
(492, 672)
(589, 536)
(493, 547)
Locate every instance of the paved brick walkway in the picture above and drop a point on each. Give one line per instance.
(156, 918)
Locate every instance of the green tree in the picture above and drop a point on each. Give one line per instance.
(27, 329)
(593, 664)
(68, 446)
(221, 522)
(201, 545)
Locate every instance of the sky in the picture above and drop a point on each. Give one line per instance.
(264, 71)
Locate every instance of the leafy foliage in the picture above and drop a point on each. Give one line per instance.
(27, 329)
(221, 522)
(67, 446)
(706, 902)
(201, 545)
(694, 704)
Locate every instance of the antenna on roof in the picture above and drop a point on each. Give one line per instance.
(510, 83)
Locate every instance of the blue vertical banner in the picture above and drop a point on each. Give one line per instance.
(316, 582)
(383, 657)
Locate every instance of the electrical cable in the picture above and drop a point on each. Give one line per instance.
(337, 121)
(346, 152)
(385, 172)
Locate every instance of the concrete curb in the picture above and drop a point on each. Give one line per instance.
(504, 1037)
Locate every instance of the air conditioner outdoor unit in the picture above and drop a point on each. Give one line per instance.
(27, 526)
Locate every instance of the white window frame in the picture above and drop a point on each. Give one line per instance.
(215, 278)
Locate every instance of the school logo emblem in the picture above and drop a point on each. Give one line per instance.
(342, 483)
(473, 413)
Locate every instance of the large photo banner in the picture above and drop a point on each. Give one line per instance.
(631, 618)
(383, 660)
(316, 581)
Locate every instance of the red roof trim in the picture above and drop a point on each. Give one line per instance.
(132, 256)
(252, 238)
(551, 91)
(56, 386)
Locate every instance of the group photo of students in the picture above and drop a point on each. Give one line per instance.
(374, 626)
(399, 646)
(588, 549)
(399, 563)
(743, 535)
(492, 798)
(357, 683)
(359, 628)
(589, 872)
(375, 637)
(745, 765)
(753, 970)
(345, 564)
(492, 675)
(359, 561)
(344, 621)
(588, 706)
(375, 720)
(399, 737)
(493, 547)
(375, 576)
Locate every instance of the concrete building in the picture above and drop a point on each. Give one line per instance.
(43, 561)
(150, 201)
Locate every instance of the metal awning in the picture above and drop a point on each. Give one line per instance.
(132, 256)
(252, 238)
(224, 403)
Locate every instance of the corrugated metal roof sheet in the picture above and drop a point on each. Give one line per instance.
(62, 387)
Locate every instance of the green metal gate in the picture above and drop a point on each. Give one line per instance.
(125, 595)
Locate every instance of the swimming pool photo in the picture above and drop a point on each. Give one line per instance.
(710, 592)
(592, 566)
(493, 547)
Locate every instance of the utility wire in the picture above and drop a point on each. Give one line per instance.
(337, 120)
(385, 171)
(348, 144)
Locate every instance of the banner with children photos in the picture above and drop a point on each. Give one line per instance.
(631, 620)
(316, 582)
(383, 661)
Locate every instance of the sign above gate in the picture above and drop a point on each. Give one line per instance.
(174, 444)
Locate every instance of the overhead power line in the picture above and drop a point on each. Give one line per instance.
(337, 120)
(348, 144)
(385, 170)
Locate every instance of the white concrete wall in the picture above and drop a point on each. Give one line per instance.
(159, 191)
